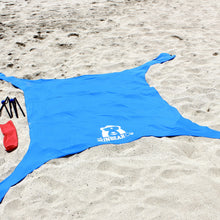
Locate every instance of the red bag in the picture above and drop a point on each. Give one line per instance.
(10, 136)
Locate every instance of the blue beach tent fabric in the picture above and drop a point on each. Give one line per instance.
(67, 116)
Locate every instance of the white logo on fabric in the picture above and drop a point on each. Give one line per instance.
(112, 133)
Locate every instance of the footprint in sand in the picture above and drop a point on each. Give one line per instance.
(2, 161)
(156, 200)
(120, 174)
(176, 173)
(218, 153)
(214, 172)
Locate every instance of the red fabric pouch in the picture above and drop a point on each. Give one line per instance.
(10, 136)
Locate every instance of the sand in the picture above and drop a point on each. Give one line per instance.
(151, 178)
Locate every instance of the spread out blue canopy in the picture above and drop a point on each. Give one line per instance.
(67, 116)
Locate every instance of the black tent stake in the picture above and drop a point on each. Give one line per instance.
(10, 107)
(16, 101)
(4, 102)
(12, 101)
